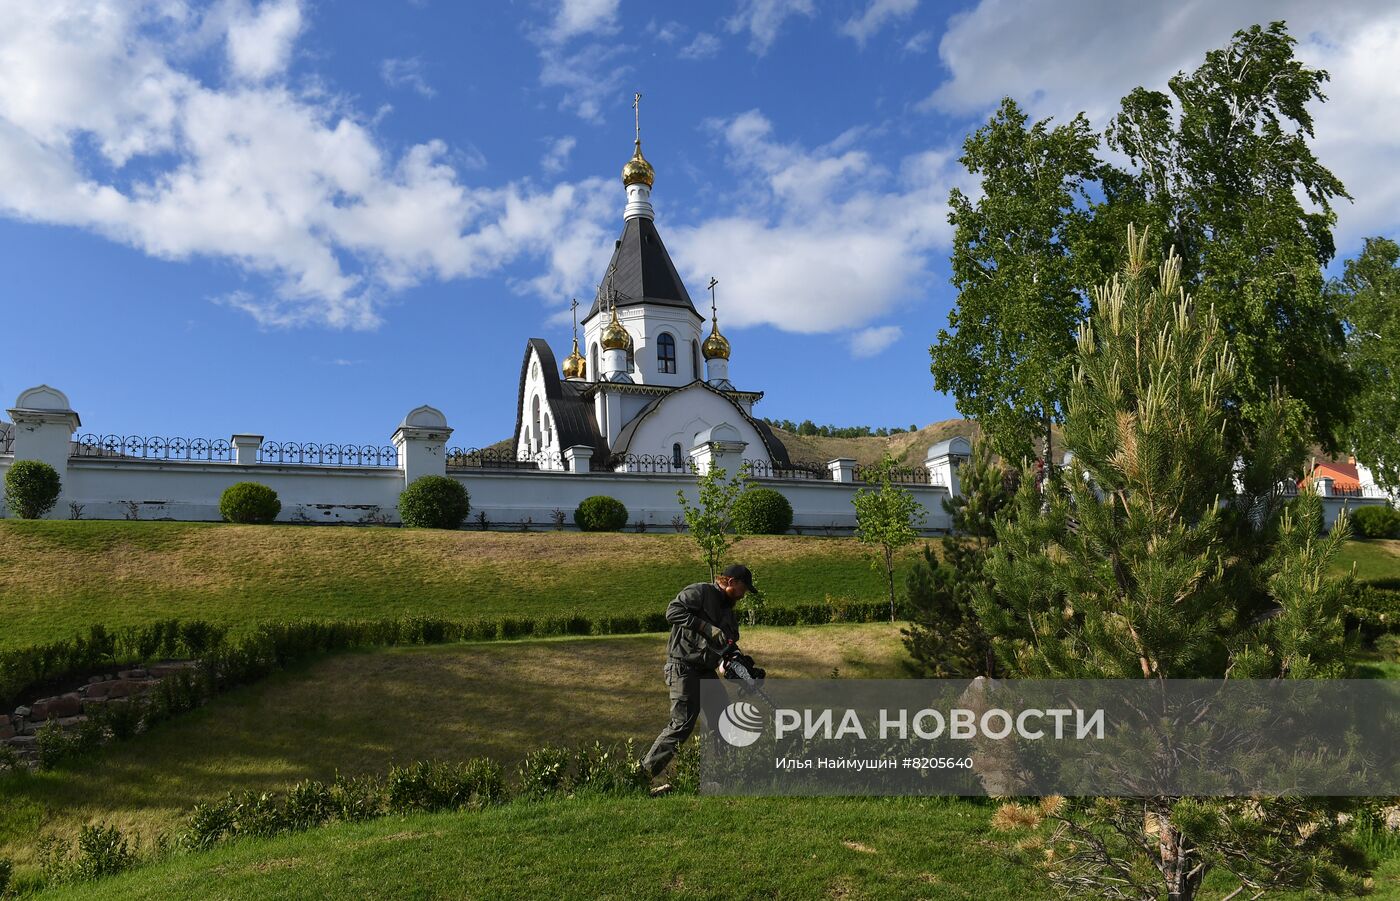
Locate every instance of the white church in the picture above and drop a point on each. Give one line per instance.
(653, 391)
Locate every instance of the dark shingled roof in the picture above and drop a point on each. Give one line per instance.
(573, 414)
(644, 272)
(777, 452)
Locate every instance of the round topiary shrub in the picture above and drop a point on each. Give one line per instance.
(31, 488)
(762, 511)
(249, 503)
(434, 502)
(1375, 522)
(600, 513)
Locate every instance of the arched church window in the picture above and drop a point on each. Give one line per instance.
(676, 455)
(695, 359)
(593, 361)
(535, 418)
(665, 353)
(631, 361)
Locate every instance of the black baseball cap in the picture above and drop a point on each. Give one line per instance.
(740, 573)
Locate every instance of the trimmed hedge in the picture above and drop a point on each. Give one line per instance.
(1375, 522)
(762, 511)
(434, 502)
(600, 513)
(31, 488)
(249, 503)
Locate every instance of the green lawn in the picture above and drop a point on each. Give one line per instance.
(364, 712)
(686, 847)
(60, 577)
(1377, 561)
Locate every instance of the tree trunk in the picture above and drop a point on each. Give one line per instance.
(889, 576)
(1048, 438)
(1178, 865)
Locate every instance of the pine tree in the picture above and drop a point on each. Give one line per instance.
(1129, 567)
(945, 637)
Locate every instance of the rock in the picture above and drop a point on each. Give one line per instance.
(1392, 818)
(6, 730)
(161, 670)
(70, 704)
(68, 722)
(132, 674)
(119, 689)
(99, 689)
(93, 680)
(39, 710)
(24, 743)
(21, 712)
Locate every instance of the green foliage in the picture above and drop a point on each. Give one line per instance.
(544, 772)
(31, 488)
(101, 850)
(1005, 355)
(808, 428)
(710, 521)
(1376, 522)
(7, 870)
(1131, 568)
(249, 503)
(887, 519)
(944, 637)
(440, 786)
(434, 502)
(762, 511)
(600, 513)
(1368, 294)
(1226, 176)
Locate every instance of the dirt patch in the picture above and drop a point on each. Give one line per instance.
(857, 846)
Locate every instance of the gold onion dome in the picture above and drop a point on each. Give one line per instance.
(638, 170)
(574, 365)
(615, 337)
(716, 346)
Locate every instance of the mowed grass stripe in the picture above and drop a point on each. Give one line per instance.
(60, 577)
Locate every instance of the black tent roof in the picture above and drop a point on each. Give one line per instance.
(641, 271)
(573, 414)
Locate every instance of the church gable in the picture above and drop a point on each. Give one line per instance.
(671, 424)
(551, 414)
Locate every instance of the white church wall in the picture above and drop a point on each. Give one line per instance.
(686, 413)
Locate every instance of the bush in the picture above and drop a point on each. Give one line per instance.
(762, 511)
(544, 772)
(31, 488)
(600, 513)
(1375, 522)
(249, 503)
(102, 851)
(6, 870)
(434, 502)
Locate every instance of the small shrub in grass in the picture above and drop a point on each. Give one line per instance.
(610, 770)
(7, 870)
(31, 488)
(54, 745)
(544, 772)
(208, 824)
(358, 798)
(1375, 522)
(102, 851)
(249, 503)
(434, 502)
(516, 627)
(308, 804)
(762, 511)
(258, 814)
(600, 513)
(1389, 647)
(685, 775)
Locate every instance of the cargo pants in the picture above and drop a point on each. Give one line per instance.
(683, 684)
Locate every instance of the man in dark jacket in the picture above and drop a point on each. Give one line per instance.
(702, 624)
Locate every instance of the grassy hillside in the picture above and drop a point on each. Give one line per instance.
(909, 448)
(60, 577)
(364, 712)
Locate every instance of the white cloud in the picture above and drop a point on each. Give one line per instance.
(823, 240)
(1058, 57)
(557, 157)
(763, 19)
(260, 39)
(100, 129)
(406, 73)
(918, 43)
(704, 46)
(577, 17)
(876, 16)
(868, 342)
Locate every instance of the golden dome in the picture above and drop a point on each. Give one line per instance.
(575, 367)
(716, 346)
(638, 170)
(615, 337)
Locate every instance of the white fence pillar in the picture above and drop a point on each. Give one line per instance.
(245, 448)
(943, 461)
(44, 423)
(719, 446)
(421, 440)
(578, 458)
(842, 469)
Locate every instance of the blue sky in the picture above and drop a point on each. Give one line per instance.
(304, 217)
